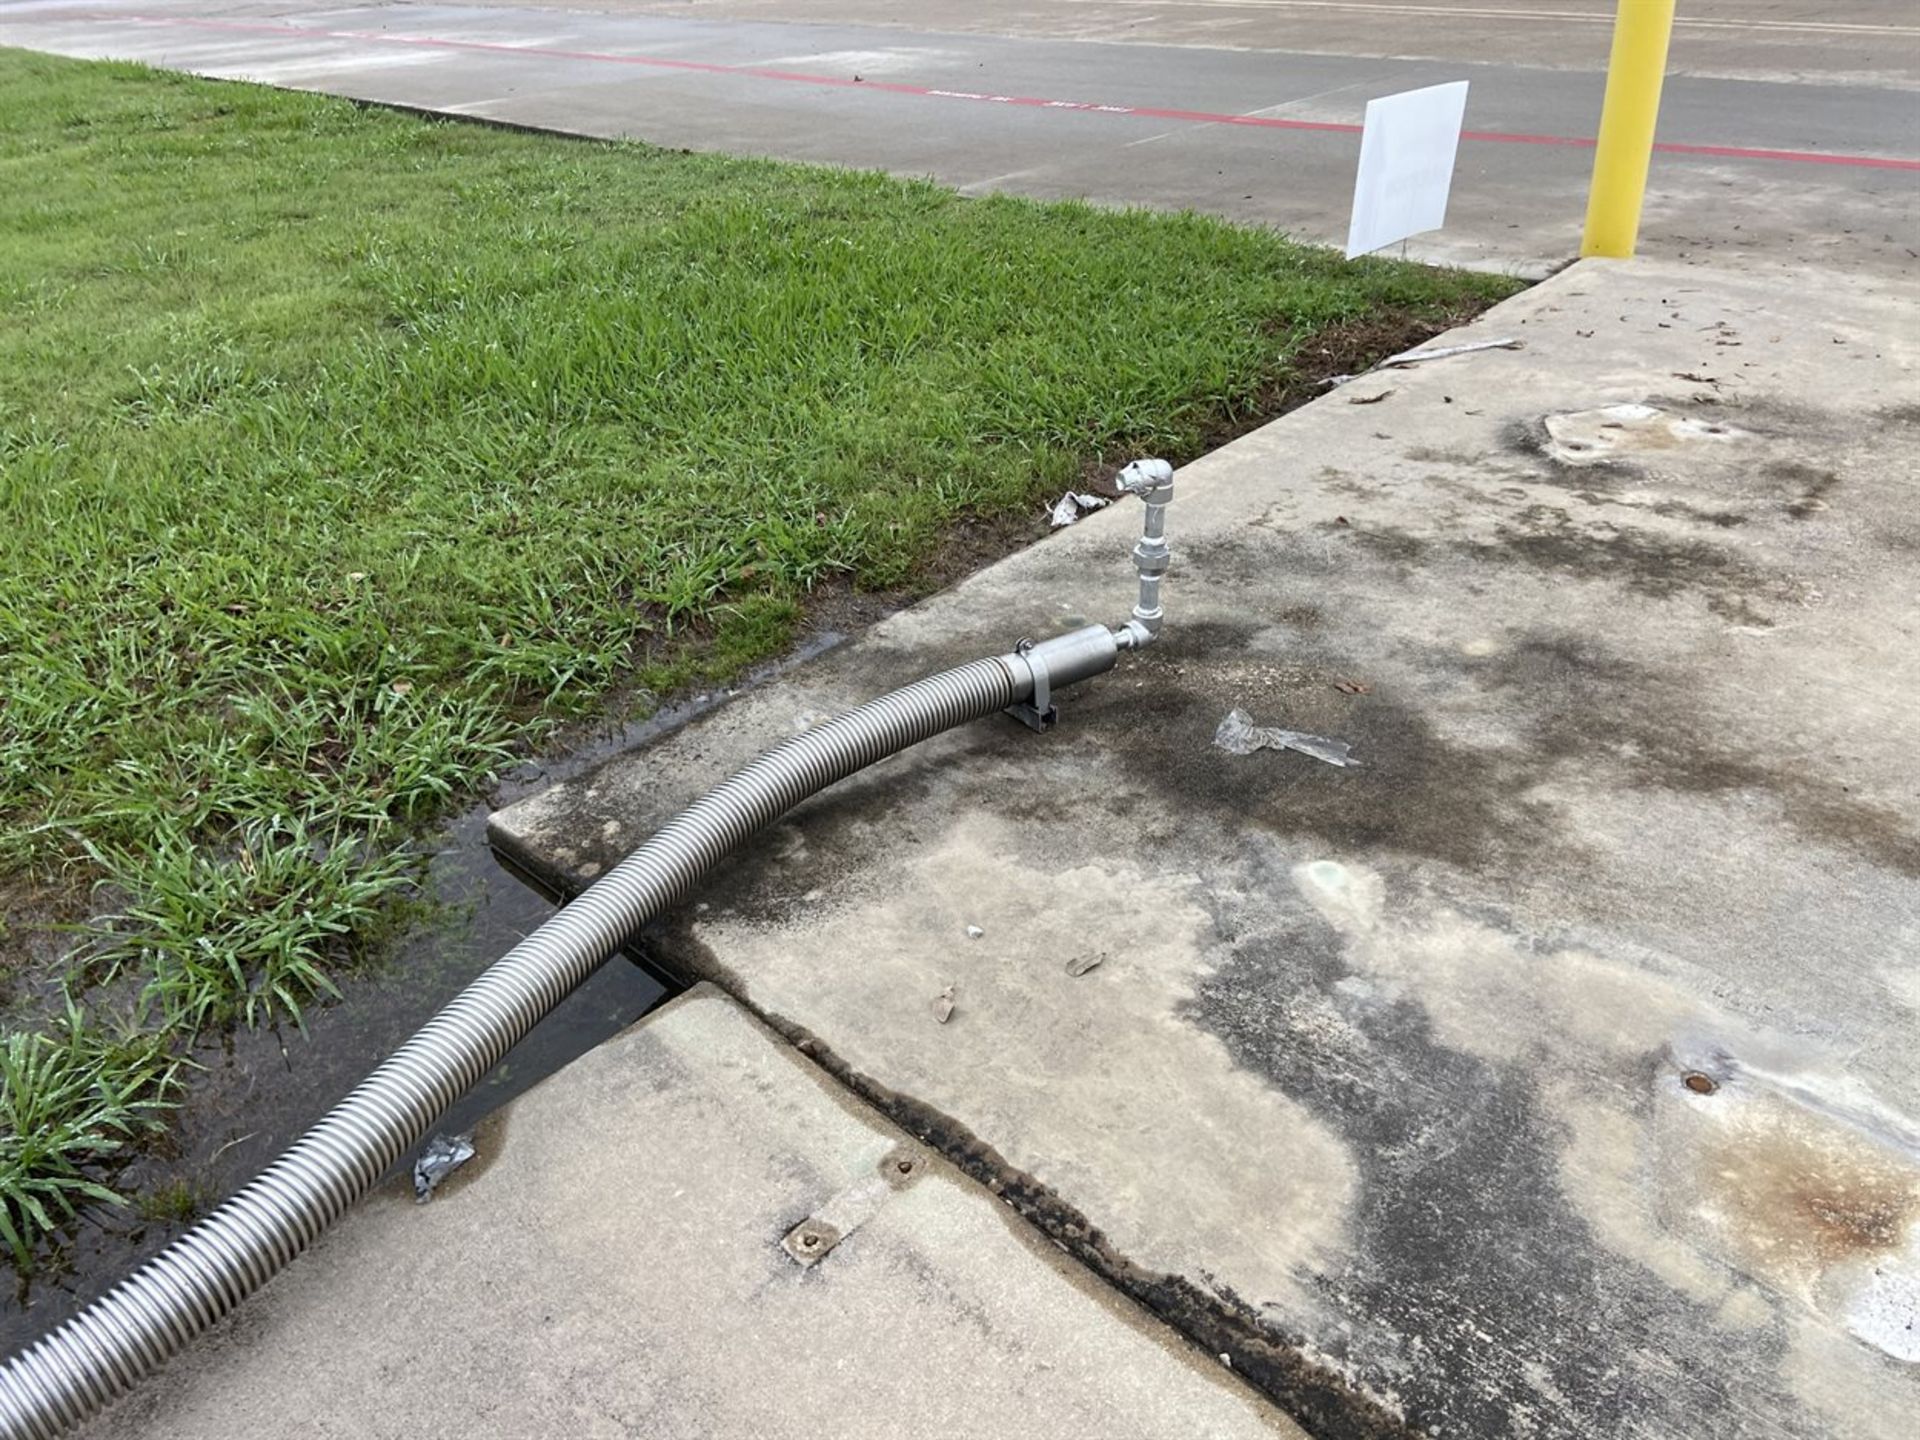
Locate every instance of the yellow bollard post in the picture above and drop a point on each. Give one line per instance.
(1641, 29)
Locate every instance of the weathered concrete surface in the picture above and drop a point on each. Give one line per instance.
(613, 1265)
(1381, 1082)
(1797, 167)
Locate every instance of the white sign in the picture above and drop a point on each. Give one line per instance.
(1407, 147)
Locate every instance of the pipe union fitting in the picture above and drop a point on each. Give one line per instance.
(1152, 561)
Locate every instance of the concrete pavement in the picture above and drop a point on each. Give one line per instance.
(1550, 1074)
(613, 1264)
(1839, 42)
(1814, 171)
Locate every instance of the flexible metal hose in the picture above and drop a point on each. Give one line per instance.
(84, 1364)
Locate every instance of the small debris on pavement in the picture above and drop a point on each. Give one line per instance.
(1238, 735)
(1081, 964)
(1419, 357)
(443, 1155)
(974, 932)
(1416, 357)
(1072, 505)
(1369, 399)
(943, 1005)
(1352, 687)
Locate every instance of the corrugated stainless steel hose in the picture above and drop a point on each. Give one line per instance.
(84, 1364)
(79, 1368)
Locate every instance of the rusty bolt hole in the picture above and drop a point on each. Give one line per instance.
(1698, 1083)
(903, 1167)
(809, 1242)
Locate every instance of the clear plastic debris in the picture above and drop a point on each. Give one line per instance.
(1075, 503)
(443, 1155)
(974, 932)
(1416, 357)
(1238, 735)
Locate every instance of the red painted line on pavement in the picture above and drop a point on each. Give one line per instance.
(1149, 112)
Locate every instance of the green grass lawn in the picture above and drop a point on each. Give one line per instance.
(343, 452)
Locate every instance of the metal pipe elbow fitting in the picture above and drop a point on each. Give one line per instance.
(1152, 481)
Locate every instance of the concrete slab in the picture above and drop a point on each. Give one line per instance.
(1549, 1074)
(1800, 165)
(613, 1265)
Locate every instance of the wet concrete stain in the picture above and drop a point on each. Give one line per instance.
(1529, 439)
(1585, 703)
(1644, 562)
(1462, 1236)
(1412, 791)
(1810, 487)
(1681, 510)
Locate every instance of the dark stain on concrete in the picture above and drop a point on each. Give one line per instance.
(1643, 561)
(1681, 510)
(1396, 547)
(1807, 487)
(1412, 792)
(1461, 1234)
(1582, 703)
(1453, 455)
(1419, 794)
(1529, 438)
(1415, 792)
